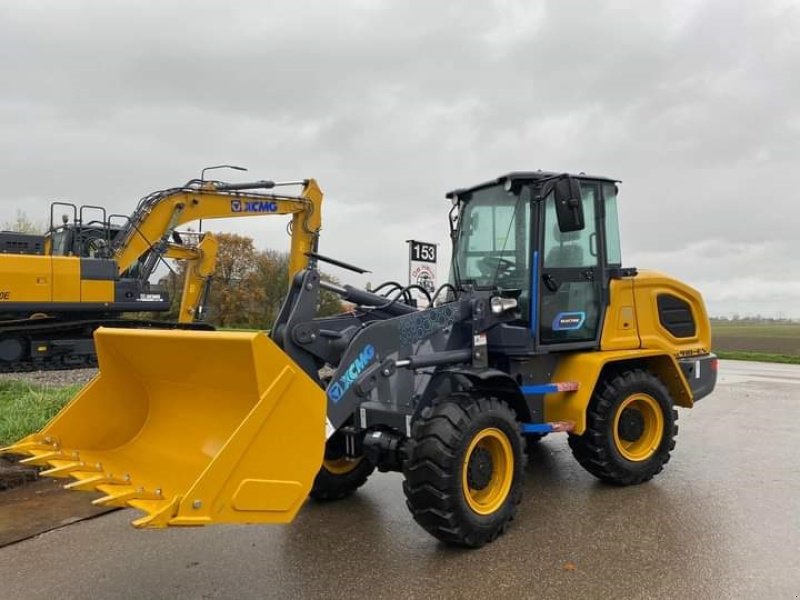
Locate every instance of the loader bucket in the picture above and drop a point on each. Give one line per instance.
(191, 427)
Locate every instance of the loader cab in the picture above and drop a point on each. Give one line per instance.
(555, 238)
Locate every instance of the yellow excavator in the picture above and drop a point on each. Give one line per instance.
(540, 330)
(56, 289)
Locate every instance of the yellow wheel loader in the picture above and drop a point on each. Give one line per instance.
(540, 330)
(56, 289)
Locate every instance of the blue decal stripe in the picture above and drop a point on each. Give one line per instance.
(550, 388)
(534, 290)
(544, 388)
(536, 428)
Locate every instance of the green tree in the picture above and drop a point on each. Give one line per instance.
(272, 268)
(236, 296)
(329, 303)
(173, 283)
(273, 275)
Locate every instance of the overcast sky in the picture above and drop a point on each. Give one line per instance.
(694, 105)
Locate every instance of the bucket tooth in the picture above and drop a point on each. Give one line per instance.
(88, 484)
(126, 494)
(41, 460)
(66, 469)
(31, 446)
(160, 516)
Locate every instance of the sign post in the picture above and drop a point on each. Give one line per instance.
(422, 265)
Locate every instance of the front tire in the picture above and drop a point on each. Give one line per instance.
(464, 469)
(630, 429)
(339, 476)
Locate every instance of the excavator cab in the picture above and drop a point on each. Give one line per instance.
(84, 231)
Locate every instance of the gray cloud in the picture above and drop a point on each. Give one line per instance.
(694, 105)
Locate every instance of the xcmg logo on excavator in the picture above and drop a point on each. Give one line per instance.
(338, 388)
(257, 206)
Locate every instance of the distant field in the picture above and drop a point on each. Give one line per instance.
(769, 338)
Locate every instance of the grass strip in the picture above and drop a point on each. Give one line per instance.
(26, 407)
(759, 357)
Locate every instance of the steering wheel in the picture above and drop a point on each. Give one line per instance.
(495, 267)
(96, 247)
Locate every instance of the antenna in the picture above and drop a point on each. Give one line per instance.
(234, 167)
(203, 178)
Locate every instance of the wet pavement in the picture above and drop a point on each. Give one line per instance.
(722, 521)
(38, 506)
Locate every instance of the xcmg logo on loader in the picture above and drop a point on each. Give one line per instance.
(256, 206)
(338, 388)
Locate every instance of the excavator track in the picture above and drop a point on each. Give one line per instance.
(65, 345)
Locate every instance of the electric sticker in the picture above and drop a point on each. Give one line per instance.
(569, 321)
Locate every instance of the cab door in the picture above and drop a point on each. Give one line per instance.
(571, 294)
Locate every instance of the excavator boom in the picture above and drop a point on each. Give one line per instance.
(160, 213)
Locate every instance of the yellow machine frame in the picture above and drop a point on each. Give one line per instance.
(50, 283)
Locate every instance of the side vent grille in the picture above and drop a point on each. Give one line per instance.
(676, 316)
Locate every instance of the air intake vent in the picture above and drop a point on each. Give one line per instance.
(12, 242)
(676, 316)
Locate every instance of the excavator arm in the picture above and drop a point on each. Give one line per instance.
(200, 261)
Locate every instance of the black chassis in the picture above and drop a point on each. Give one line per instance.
(392, 359)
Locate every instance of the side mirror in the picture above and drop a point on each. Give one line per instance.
(569, 207)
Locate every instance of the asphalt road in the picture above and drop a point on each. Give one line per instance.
(722, 521)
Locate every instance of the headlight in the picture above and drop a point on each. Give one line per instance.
(500, 305)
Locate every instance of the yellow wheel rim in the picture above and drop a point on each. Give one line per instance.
(341, 466)
(638, 427)
(493, 447)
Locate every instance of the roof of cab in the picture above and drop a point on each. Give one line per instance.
(525, 176)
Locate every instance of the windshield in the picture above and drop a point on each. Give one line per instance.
(493, 243)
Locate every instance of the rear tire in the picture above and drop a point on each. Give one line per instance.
(464, 469)
(630, 429)
(339, 475)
